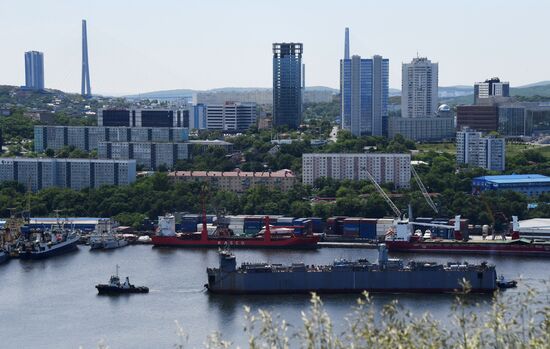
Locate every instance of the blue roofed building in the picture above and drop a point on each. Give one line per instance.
(528, 184)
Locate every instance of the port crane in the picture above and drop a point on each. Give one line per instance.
(383, 194)
(423, 190)
(404, 227)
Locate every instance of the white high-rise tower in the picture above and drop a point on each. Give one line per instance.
(419, 97)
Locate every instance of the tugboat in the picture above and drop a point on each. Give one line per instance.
(503, 283)
(116, 287)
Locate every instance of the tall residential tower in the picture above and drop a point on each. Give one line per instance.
(86, 90)
(34, 70)
(419, 89)
(287, 84)
(364, 93)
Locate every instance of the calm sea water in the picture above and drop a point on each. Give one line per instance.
(53, 303)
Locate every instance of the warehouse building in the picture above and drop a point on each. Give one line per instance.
(528, 184)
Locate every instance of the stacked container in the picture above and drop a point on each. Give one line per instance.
(189, 223)
(317, 225)
(253, 224)
(335, 225)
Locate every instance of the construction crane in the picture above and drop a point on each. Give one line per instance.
(383, 193)
(423, 190)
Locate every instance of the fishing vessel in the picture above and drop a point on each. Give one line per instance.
(116, 287)
(39, 244)
(403, 239)
(342, 276)
(269, 237)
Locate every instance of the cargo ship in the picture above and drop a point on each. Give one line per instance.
(402, 239)
(387, 276)
(276, 237)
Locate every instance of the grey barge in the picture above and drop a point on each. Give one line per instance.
(387, 276)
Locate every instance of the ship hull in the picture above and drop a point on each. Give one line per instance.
(112, 290)
(392, 281)
(235, 242)
(493, 248)
(62, 248)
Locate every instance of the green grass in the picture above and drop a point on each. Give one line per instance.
(437, 147)
(512, 149)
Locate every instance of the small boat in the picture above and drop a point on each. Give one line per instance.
(503, 283)
(106, 242)
(105, 239)
(116, 287)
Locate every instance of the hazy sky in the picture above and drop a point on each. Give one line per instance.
(139, 46)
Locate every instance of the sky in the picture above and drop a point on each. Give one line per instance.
(138, 46)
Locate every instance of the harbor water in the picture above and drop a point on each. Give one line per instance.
(52, 303)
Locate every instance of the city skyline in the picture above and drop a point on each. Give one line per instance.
(439, 31)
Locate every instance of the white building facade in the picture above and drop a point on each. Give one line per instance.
(474, 149)
(419, 92)
(385, 168)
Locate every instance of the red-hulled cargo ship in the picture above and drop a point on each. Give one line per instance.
(403, 240)
(166, 236)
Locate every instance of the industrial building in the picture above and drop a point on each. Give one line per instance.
(88, 137)
(238, 181)
(41, 173)
(385, 168)
(528, 184)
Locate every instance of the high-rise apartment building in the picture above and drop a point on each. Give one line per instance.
(490, 88)
(287, 84)
(143, 117)
(231, 116)
(34, 70)
(75, 174)
(385, 168)
(474, 149)
(419, 90)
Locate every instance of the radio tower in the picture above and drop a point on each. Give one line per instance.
(86, 90)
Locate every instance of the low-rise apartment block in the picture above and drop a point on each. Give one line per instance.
(238, 181)
(384, 167)
(41, 173)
